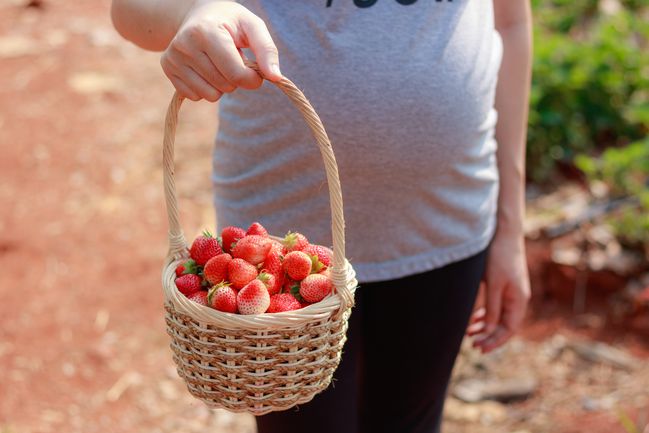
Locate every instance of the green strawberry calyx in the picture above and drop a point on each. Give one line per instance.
(190, 267)
(316, 264)
(295, 291)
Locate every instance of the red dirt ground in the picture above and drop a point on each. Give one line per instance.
(83, 235)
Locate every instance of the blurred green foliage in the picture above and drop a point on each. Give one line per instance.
(590, 86)
(625, 171)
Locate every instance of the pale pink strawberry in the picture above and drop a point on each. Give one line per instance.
(204, 248)
(253, 298)
(297, 265)
(272, 283)
(216, 268)
(231, 235)
(257, 229)
(315, 287)
(240, 273)
(188, 284)
(199, 297)
(324, 254)
(283, 302)
(222, 297)
(252, 248)
(294, 241)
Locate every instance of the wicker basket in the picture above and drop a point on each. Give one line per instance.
(266, 362)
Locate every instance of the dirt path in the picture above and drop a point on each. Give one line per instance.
(82, 236)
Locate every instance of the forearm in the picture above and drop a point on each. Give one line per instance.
(511, 130)
(150, 24)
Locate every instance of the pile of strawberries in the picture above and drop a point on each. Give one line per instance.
(248, 272)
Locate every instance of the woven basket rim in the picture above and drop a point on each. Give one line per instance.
(265, 321)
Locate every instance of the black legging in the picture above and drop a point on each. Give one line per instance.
(403, 338)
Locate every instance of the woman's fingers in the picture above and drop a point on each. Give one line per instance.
(475, 329)
(262, 45)
(201, 87)
(189, 82)
(493, 305)
(220, 47)
(493, 340)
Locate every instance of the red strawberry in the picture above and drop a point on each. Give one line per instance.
(283, 302)
(241, 273)
(199, 297)
(216, 268)
(294, 242)
(253, 298)
(273, 265)
(189, 267)
(188, 284)
(222, 297)
(252, 248)
(291, 286)
(324, 254)
(257, 229)
(272, 283)
(315, 287)
(230, 235)
(297, 265)
(204, 248)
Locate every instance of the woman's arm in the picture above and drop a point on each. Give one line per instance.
(149, 24)
(507, 287)
(201, 40)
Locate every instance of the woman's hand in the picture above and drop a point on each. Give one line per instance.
(507, 292)
(204, 59)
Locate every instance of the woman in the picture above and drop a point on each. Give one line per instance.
(415, 95)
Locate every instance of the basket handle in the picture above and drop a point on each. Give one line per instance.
(177, 243)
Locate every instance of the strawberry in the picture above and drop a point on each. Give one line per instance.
(222, 297)
(216, 268)
(297, 265)
(230, 235)
(241, 273)
(294, 242)
(283, 302)
(253, 298)
(199, 297)
(204, 248)
(323, 254)
(189, 267)
(188, 284)
(315, 287)
(257, 229)
(273, 265)
(272, 283)
(252, 248)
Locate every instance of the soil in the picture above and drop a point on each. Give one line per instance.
(83, 236)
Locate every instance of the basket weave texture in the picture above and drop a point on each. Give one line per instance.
(266, 362)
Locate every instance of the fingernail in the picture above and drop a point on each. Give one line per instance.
(274, 67)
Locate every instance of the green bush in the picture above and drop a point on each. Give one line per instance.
(626, 173)
(590, 86)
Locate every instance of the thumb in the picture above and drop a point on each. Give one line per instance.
(262, 45)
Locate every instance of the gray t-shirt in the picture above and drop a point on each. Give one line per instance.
(405, 89)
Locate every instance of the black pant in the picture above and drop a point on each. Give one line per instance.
(403, 338)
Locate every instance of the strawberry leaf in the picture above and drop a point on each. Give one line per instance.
(295, 291)
(190, 267)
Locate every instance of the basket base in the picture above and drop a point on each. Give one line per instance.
(256, 371)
